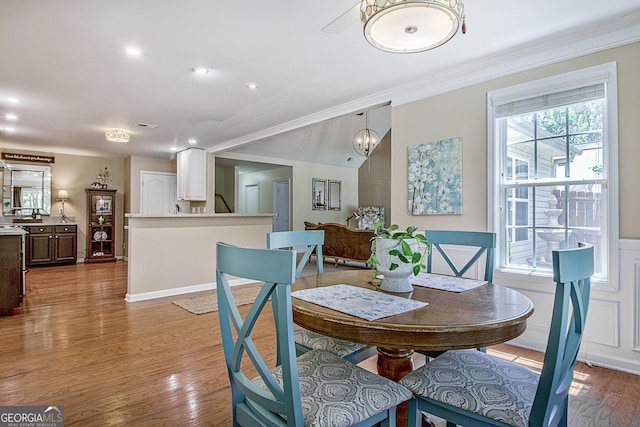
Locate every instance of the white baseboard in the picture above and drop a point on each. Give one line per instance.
(180, 291)
(630, 366)
(118, 257)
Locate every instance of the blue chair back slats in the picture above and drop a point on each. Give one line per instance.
(454, 385)
(307, 340)
(312, 239)
(253, 404)
(572, 271)
(298, 391)
(484, 241)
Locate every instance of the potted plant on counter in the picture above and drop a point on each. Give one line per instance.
(397, 255)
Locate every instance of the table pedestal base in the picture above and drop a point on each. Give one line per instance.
(395, 364)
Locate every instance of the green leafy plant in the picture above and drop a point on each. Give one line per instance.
(401, 252)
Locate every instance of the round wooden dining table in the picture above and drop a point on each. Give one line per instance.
(486, 315)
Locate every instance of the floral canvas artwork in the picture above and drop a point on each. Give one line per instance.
(435, 177)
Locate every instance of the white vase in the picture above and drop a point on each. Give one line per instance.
(397, 280)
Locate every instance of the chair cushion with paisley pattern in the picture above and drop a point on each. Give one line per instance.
(331, 390)
(317, 341)
(479, 383)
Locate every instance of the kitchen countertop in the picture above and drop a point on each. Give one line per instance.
(198, 215)
(48, 220)
(10, 230)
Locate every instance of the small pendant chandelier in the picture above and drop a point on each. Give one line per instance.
(409, 26)
(366, 140)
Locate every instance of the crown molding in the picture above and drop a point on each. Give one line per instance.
(567, 44)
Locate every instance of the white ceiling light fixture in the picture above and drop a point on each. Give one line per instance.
(11, 117)
(200, 70)
(252, 85)
(410, 26)
(117, 135)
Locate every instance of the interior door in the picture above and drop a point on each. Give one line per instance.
(158, 193)
(281, 205)
(252, 198)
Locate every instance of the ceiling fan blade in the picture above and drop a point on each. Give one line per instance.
(343, 21)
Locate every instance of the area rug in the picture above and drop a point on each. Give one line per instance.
(209, 303)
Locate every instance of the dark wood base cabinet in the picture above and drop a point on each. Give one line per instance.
(52, 244)
(10, 273)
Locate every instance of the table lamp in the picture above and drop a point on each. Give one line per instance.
(62, 196)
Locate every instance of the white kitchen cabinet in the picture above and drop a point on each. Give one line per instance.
(192, 174)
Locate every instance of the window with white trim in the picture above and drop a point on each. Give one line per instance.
(552, 144)
(517, 200)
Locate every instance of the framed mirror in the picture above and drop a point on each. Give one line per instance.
(319, 194)
(26, 188)
(335, 196)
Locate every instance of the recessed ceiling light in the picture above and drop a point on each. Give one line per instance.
(13, 100)
(252, 85)
(11, 116)
(133, 51)
(174, 149)
(200, 70)
(193, 141)
(9, 130)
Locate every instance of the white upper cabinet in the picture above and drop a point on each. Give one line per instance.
(192, 174)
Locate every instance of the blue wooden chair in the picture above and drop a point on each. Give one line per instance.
(485, 242)
(308, 340)
(318, 388)
(312, 240)
(471, 388)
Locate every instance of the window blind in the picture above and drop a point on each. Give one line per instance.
(558, 99)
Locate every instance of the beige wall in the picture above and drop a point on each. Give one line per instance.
(75, 174)
(303, 173)
(612, 333)
(171, 256)
(138, 164)
(374, 177)
(225, 186)
(463, 113)
(264, 180)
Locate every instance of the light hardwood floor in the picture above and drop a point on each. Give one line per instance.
(76, 343)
